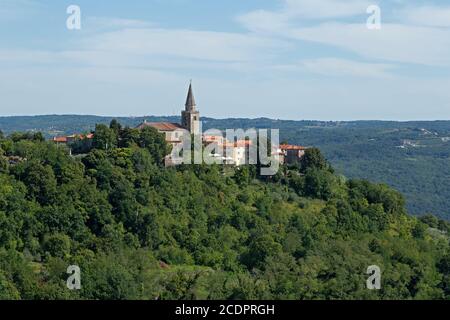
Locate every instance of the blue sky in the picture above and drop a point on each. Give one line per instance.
(283, 59)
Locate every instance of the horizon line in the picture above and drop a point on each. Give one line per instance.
(219, 118)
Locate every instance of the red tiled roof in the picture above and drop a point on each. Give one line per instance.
(291, 147)
(161, 126)
(60, 139)
(73, 137)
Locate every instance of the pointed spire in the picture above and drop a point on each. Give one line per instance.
(190, 101)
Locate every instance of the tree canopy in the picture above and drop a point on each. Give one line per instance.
(138, 230)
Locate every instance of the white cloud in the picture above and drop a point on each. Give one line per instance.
(325, 9)
(199, 45)
(136, 47)
(343, 67)
(297, 11)
(18, 9)
(394, 42)
(111, 23)
(11, 56)
(414, 39)
(431, 16)
(265, 21)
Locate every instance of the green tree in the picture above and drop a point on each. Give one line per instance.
(57, 245)
(40, 181)
(115, 126)
(104, 138)
(129, 137)
(319, 184)
(8, 290)
(313, 159)
(155, 143)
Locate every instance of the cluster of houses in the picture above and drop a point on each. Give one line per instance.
(232, 152)
(73, 138)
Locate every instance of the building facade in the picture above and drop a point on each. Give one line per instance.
(291, 154)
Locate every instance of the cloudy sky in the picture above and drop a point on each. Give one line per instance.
(284, 59)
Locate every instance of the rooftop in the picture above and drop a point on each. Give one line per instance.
(291, 147)
(161, 126)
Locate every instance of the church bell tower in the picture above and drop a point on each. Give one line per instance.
(190, 117)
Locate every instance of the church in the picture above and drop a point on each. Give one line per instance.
(190, 121)
(174, 132)
(239, 150)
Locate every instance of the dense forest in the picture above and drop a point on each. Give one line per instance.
(138, 230)
(411, 157)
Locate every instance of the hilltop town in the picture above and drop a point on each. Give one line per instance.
(234, 152)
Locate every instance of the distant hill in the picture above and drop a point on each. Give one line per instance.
(413, 157)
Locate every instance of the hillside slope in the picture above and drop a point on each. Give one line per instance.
(141, 231)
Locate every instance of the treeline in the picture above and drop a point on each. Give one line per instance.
(359, 149)
(138, 230)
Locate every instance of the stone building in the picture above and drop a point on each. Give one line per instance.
(291, 154)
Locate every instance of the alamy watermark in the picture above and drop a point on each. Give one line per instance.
(73, 22)
(374, 20)
(374, 281)
(74, 280)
